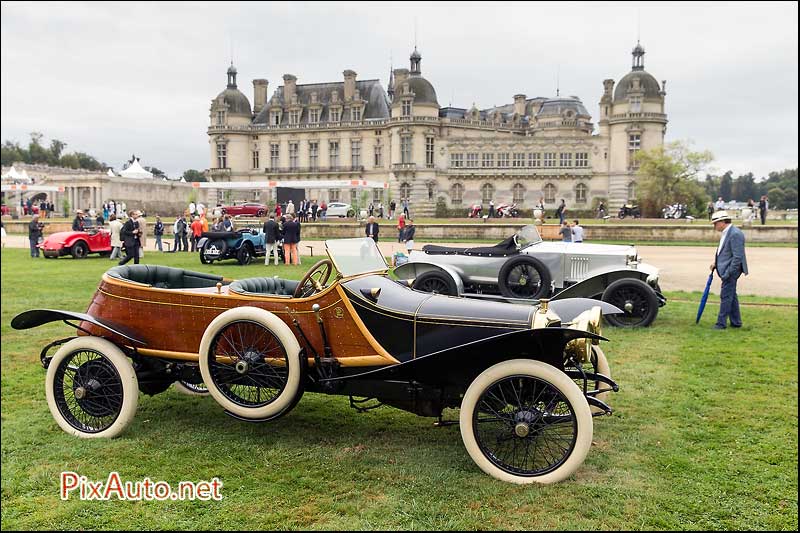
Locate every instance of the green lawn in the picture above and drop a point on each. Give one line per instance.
(704, 437)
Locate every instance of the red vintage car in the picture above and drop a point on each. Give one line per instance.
(78, 244)
(247, 208)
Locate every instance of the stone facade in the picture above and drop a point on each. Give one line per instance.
(519, 152)
(85, 189)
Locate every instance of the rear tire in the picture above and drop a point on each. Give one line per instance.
(91, 388)
(524, 276)
(435, 282)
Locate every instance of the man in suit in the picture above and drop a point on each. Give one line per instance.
(373, 229)
(730, 262)
(130, 237)
(291, 238)
(272, 237)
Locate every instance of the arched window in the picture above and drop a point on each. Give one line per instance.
(487, 192)
(549, 193)
(518, 193)
(405, 190)
(456, 194)
(632, 191)
(581, 192)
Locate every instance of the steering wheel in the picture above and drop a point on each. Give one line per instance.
(314, 280)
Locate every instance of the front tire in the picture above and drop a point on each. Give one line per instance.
(250, 362)
(637, 301)
(244, 255)
(91, 388)
(517, 410)
(79, 250)
(524, 276)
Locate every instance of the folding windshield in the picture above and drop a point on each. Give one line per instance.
(355, 256)
(528, 235)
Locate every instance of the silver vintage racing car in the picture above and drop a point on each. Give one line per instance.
(523, 268)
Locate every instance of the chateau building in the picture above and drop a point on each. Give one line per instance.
(519, 152)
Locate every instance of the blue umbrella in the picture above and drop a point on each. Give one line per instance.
(704, 298)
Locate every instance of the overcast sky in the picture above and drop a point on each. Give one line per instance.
(113, 79)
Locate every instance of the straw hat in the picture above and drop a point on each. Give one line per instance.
(719, 216)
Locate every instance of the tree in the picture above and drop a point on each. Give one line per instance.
(194, 175)
(37, 152)
(744, 188)
(13, 152)
(156, 172)
(669, 175)
(56, 147)
(726, 186)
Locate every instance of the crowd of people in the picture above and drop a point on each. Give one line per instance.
(758, 210)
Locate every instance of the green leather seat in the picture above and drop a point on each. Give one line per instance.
(256, 286)
(164, 277)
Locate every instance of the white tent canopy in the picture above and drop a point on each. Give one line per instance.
(13, 175)
(135, 171)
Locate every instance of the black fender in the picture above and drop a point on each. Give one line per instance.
(201, 242)
(37, 317)
(413, 269)
(593, 287)
(568, 308)
(458, 366)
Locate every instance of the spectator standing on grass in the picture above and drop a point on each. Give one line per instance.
(565, 232)
(158, 231)
(34, 232)
(392, 207)
(197, 230)
(372, 229)
(2, 234)
(401, 224)
(204, 222)
(142, 231)
(730, 263)
(710, 209)
(408, 235)
(115, 225)
(405, 208)
(130, 238)
(314, 209)
(577, 232)
(491, 208)
(290, 210)
(271, 236)
(720, 205)
(291, 238)
(561, 211)
(763, 205)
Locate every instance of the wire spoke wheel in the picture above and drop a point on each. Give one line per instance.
(88, 391)
(524, 281)
(524, 421)
(248, 364)
(525, 426)
(637, 301)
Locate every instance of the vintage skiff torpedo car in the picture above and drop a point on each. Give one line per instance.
(525, 267)
(527, 379)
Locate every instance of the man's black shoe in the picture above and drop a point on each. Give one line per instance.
(717, 326)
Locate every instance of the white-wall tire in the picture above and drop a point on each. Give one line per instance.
(71, 368)
(602, 368)
(282, 345)
(553, 382)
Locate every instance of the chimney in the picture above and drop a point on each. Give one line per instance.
(400, 75)
(289, 88)
(519, 104)
(259, 94)
(349, 84)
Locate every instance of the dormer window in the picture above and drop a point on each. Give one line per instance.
(275, 118)
(313, 116)
(335, 115)
(406, 110)
(636, 104)
(220, 118)
(355, 113)
(294, 117)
